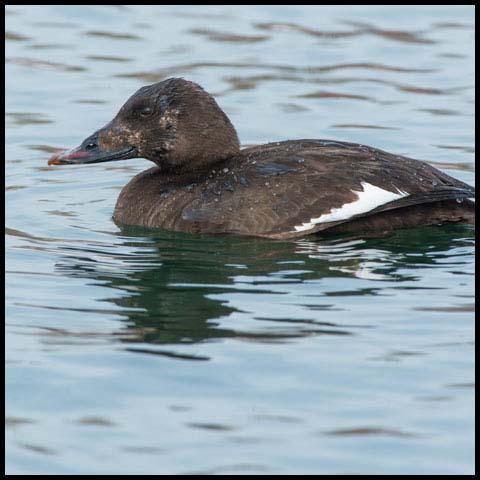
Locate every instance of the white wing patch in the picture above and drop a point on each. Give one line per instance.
(368, 199)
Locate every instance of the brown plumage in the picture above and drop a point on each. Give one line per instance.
(204, 182)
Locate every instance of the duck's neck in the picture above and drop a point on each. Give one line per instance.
(195, 168)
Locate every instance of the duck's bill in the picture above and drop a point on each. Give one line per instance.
(81, 156)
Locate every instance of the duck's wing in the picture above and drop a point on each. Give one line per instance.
(289, 190)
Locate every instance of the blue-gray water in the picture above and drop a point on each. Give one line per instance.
(135, 352)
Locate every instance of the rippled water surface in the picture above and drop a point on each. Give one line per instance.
(136, 351)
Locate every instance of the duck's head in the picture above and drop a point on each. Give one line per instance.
(174, 123)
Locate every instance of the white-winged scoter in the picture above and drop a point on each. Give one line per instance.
(204, 183)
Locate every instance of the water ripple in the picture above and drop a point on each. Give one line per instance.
(44, 65)
(362, 29)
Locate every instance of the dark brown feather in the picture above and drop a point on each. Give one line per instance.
(267, 190)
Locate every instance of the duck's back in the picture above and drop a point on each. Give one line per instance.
(298, 187)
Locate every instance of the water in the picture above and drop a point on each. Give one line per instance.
(136, 351)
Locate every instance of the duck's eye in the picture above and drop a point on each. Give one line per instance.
(146, 111)
(90, 146)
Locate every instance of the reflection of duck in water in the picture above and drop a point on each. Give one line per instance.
(182, 289)
(204, 183)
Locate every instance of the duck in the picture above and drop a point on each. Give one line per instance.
(203, 182)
